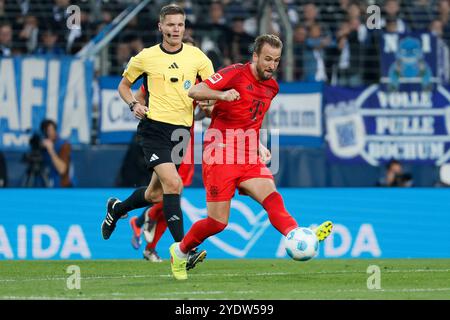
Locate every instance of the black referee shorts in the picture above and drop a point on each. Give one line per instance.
(162, 142)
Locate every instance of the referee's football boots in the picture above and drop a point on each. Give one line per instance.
(109, 223)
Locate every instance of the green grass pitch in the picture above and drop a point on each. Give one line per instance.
(228, 279)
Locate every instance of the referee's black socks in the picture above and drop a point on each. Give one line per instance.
(135, 201)
(173, 215)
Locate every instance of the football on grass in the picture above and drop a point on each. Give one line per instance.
(301, 244)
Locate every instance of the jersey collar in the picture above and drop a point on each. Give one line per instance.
(170, 52)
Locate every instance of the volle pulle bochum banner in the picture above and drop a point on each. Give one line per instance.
(405, 117)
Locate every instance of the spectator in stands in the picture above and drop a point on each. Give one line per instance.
(3, 15)
(419, 15)
(216, 35)
(123, 55)
(443, 72)
(394, 176)
(391, 13)
(188, 29)
(29, 34)
(436, 27)
(310, 14)
(241, 42)
(60, 11)
(3, 171)
(50, 44)
(234, 9)
(60, 17)
(352, 40)
(391, 25)
(292, 11)
(136, 44)
(443, 9)
(188, 9)
(300, 35)
(338, 15)
(354, 11)
(57, 156)
(314, 54)
(6, 37)
(216, 14)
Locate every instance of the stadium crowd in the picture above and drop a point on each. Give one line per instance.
(331, 39)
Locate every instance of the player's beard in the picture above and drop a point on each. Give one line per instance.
(261, 74)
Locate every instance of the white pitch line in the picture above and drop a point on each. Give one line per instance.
(128, 296)
(375, 290)
(228, 275)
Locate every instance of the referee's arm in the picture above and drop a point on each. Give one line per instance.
(126, 94)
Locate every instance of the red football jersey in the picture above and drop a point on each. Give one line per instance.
(246, 114)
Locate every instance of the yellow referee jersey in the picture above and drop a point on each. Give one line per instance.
(168, 76)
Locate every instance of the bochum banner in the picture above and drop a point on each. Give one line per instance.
(405, 117)
(33, 88)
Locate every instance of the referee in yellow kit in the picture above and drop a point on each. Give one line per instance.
(168, 70)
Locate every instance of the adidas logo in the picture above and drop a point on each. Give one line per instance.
(174, 218)
(250, 87)
(173, 66)
(109, 219)
(154, 157)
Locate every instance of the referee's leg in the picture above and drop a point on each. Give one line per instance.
(172, 186)
(140, 198)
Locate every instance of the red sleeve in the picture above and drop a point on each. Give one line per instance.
(277, 88)
(222, 78)
(143, 90)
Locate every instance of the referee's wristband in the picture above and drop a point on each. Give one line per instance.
(131, 105)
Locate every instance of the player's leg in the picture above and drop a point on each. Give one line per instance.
(160, 227)
(136, 224)
(154, 227)
(220, 183)
(263, 190)
(215, 222)
(152, 218)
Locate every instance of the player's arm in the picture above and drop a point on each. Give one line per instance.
(264, 154)
(212, 88)
(202, 92)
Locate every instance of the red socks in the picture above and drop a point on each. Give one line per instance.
(278, 215)
(155, 211)
(156, 214)
(199, 231)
